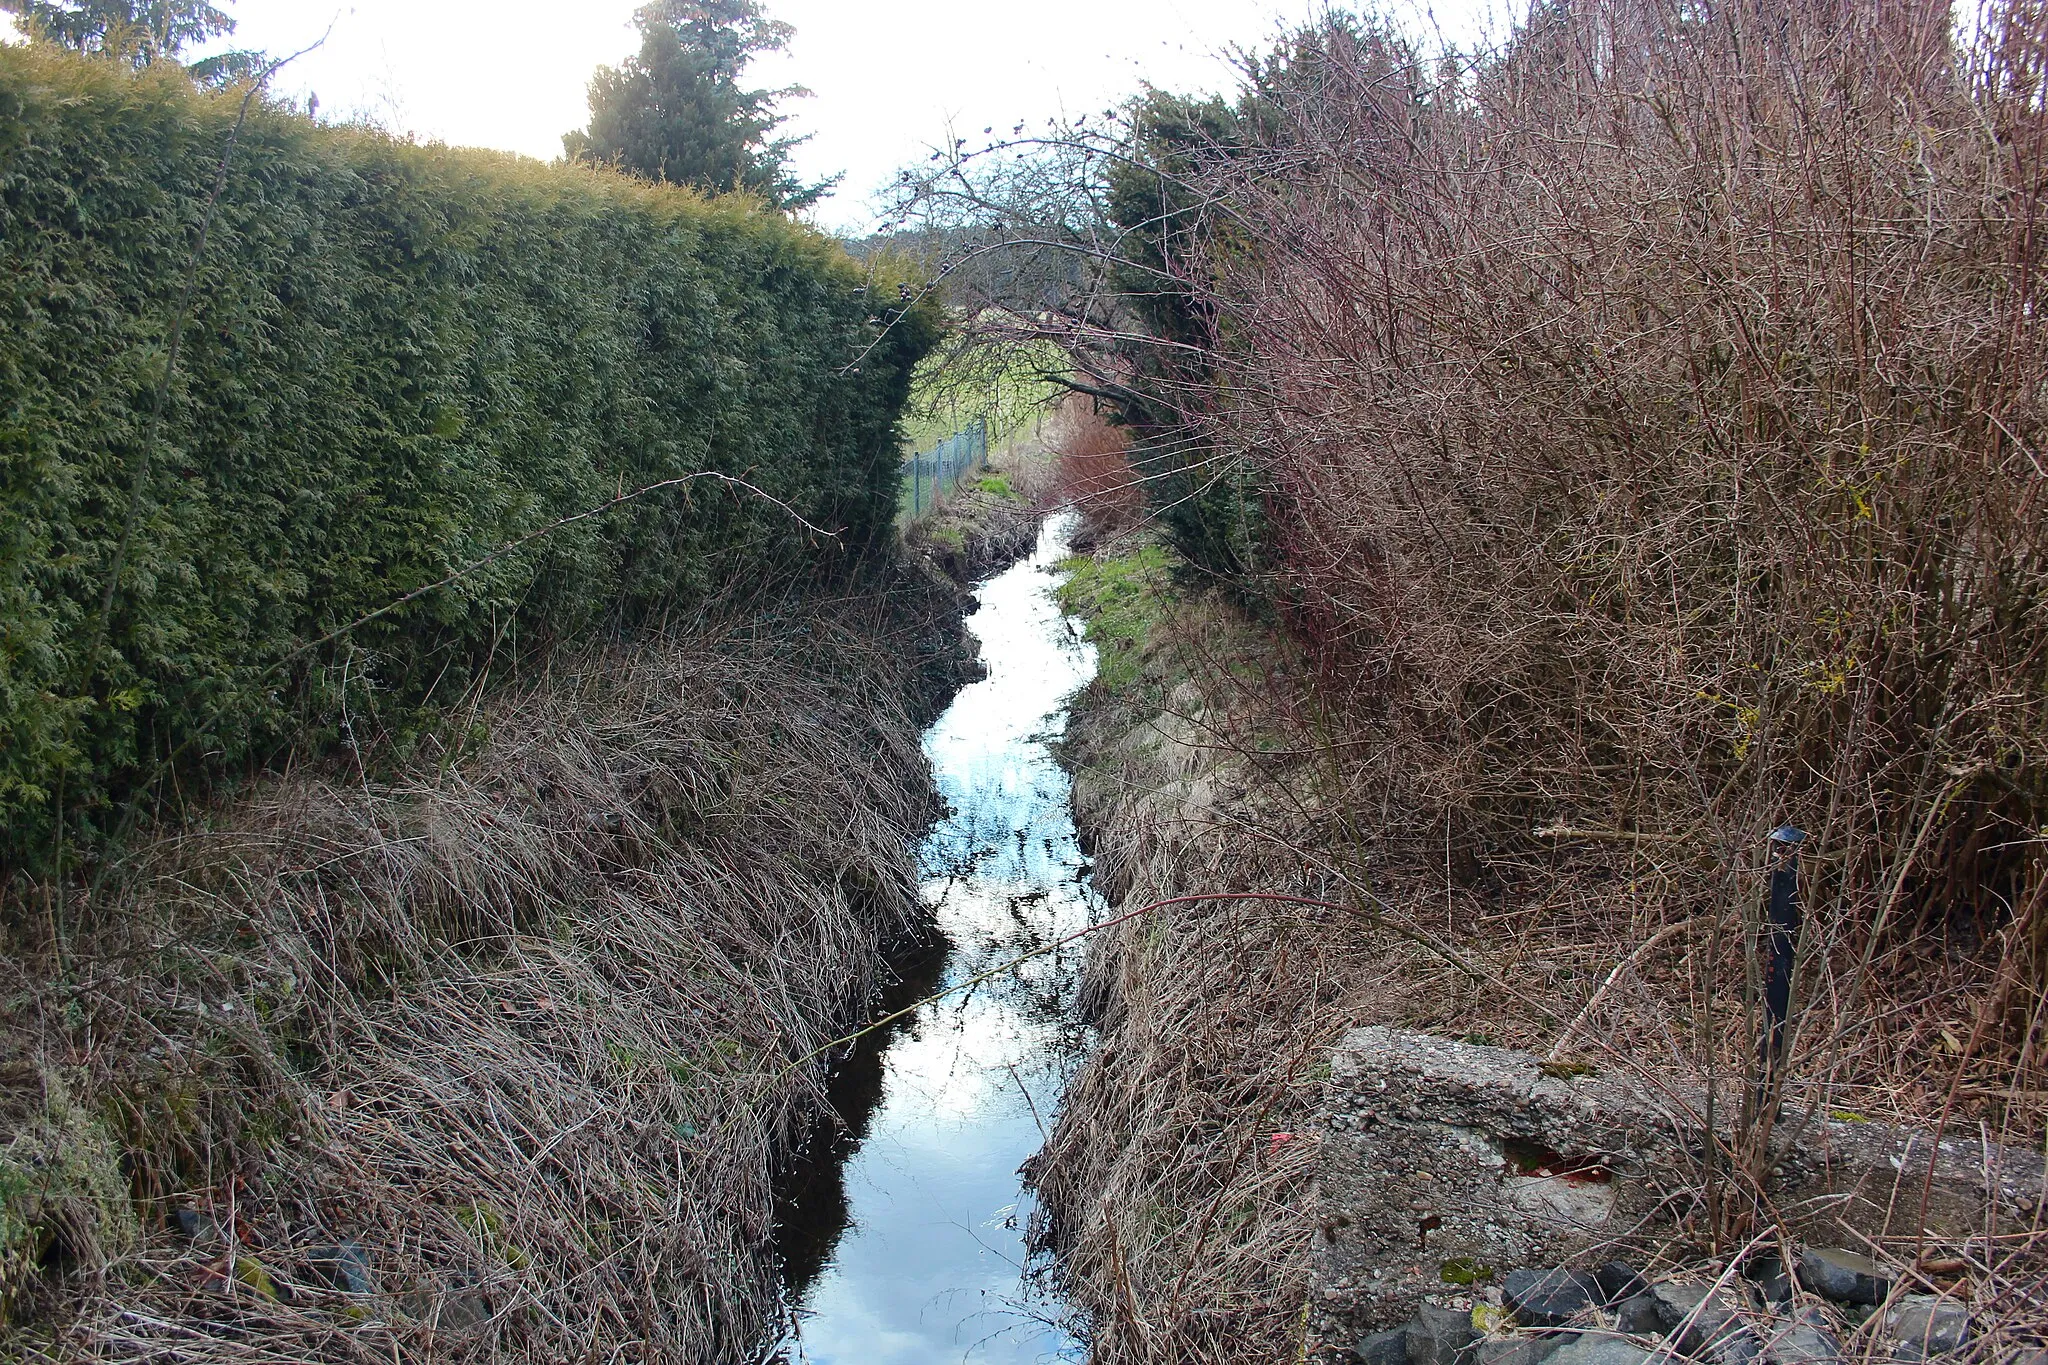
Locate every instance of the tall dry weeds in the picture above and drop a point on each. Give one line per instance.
(515, 1022)
(1093, 473)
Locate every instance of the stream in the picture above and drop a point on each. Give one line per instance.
(901, 1233)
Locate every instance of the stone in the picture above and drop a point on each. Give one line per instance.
(1706, 1321)
(1933, 1322)
(1383, 1348)
(187, 1223)
(1843, 1276)
(1619, 1280)
(1597, 1348)
(1516, 1350)
(1805, 1340)
(1438, 1334)
(1550, 1298)
(1638, 1316)
(1771, 1279)
(344, 1265)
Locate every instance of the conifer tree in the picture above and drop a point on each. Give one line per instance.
(676, 110)
(139, 32)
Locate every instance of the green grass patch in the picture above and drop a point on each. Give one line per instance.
(1119, 603)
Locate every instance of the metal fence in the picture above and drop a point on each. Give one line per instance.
(929, 477)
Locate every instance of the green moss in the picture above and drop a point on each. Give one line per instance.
(250, 1271)
(998, 486)
(1464, 1270)
(1566, 1070)
(61, 1188)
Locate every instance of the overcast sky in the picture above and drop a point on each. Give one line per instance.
(887, 75)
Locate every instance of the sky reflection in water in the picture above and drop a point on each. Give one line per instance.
(929, 1269)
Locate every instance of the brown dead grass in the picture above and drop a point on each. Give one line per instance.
(515, 1019)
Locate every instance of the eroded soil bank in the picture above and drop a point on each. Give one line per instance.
(483, 1050)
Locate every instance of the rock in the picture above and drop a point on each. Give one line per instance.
(1597, 1348)
(1438, 1334)
(1619, 1280)
(1843, 1276)
(187, 1223)
(1771, 1279)
(1638, 1316)
(1803, 1341)
(1383, 1348)
(1516, 1350)
(1550, 1298)
(1706, 1321)
(343, 1265)
(1932, 1322)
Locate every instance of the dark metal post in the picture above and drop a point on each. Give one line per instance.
(1781, 944)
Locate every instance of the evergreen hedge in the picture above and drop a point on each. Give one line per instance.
(398, 359)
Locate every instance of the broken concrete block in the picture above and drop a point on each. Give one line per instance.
(1438, 1158)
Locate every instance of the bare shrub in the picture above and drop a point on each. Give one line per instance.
(1652, 410)
(1094, 473)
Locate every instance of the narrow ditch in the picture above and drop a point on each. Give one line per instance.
(901, 1228)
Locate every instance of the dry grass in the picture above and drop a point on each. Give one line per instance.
(516, 1020)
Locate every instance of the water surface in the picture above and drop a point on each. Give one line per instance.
(902, 1238)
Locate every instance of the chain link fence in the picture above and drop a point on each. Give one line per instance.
(929, 477)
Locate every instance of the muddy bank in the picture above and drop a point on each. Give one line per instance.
(1177, 1218)
(987, 524)
(1176, 1187)
(482, 1050)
